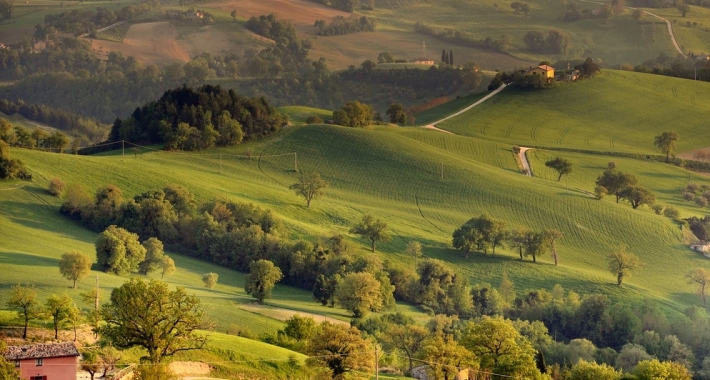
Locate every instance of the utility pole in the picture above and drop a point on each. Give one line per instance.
(295, 162)
(442, 169)
(96, 299)
(123, 148)
(220, 163)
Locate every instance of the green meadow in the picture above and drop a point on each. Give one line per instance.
(618, 111)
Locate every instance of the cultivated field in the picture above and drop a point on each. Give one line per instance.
(603, 113)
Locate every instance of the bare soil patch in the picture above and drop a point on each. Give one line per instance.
(149, 43)
(301, 13)
(190, 368)
(702, 154)
(284, 314)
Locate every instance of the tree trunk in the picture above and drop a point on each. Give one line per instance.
(702, 293)
(559, 178)
(75, 283)
(619, 279)
(520, 251)
(24, 333)
(534, 258)
(56, 330)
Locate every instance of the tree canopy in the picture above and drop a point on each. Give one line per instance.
(666, 142)
(118, 251)
(149, 315)
(621, 263)
(340, 348)
(359, 293)
(24, 298)
(309, 186)
(262, 278)
(375, 230)
(74, 266)
(561, 165)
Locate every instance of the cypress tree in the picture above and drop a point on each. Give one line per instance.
(451, 57)
(444, 57)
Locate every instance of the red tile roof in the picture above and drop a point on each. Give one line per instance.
(35, 351)
(546, 67)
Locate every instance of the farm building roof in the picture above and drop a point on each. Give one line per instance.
(546, 67)
(36, 351)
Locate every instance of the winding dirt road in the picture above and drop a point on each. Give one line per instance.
(524, 161)
(493, 93)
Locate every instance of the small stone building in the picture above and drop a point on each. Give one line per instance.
(54, 361)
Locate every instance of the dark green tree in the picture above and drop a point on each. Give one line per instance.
(451, 57)
(154, 256)
(397, 114)
(444, 56)
(233, 13)
(638, 195)
(561, 165)
(615, 182)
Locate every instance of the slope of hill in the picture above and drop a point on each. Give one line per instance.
(613, 111)
(395, 174)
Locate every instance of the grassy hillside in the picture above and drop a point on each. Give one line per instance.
(392, 173)
(614, 111)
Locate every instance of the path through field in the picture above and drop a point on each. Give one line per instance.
(668, 23)
(524, 161)
(284, 314)
(492, 94)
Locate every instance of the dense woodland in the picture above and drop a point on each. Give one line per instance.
(458, 37)
(193, 119)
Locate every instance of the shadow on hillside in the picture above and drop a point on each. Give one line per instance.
(47, 219)
(16, 258)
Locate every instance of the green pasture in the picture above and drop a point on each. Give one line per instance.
(692, 31)
(617, 111)
(298, 114)
(393, 173)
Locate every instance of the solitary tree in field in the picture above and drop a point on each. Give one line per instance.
(614, 182)
(168, 266)
(701, 277)
(24, 298)
(371, 229)
(233, 13)
(551, 236)
(414, 249)
(309, 187)
(74, 266)
(263, 276)
(210, 279)
(666, 142)
(562, 165)
(621, 263)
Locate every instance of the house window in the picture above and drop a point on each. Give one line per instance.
(38, 378)
(38, 362)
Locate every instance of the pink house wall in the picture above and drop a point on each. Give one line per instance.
(63, 368)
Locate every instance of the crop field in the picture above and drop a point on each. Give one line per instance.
(116, 33)
(597, 114)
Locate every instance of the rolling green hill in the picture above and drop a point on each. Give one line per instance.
(614, 111)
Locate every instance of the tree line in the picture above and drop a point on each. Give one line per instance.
(461, 38)
(37, 139)
(87, 129)
(341, 25)
(80, 22)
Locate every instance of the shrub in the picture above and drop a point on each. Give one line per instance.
(56, 187)
(688, 196)
(702, 202)
(314, 119)
(671, 212)
(658, 209)
(210, 279)
(600, 192)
